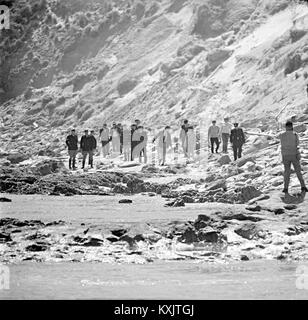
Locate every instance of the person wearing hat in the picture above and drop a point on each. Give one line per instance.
(72, 145)
(237, 139)
(225, 131)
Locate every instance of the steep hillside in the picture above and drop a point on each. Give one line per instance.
(81, 63)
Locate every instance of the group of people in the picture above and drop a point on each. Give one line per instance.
(131, 141)
(226, 133)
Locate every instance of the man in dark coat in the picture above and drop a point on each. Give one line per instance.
(237, 139)
(72, 145)
(87, 145)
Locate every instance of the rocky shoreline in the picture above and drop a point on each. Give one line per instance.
(233, 234)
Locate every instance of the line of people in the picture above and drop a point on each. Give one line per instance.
(131, 141)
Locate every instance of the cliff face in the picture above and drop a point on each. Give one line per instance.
(81, 63)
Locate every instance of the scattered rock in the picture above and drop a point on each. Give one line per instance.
(93, 242)
(208, 234)
(290, 206)
(225, 159)
(17, 158)
(254, 208)
(3, 199)
(244, 257)
(125, 201)
(240, 217)
(5, 237)
(219, 184)
(242, 161)
(248, 192)
(175, 203)
(119, 232)
(37, 247)
(247, 231)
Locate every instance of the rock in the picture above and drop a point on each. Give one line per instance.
(244, 257)
(3, 199)
(278, 211)
(295, 230)
(112, 239)
(202, 221)
(208, 234)
(4, 237)
(17, 158)
(247, 231)
(210, 178)
(47, 166)
(93, 242)
(242, 161)
(248, 192)
(290, 206)
(219, 184)
(119, 232)
(37, 247)
(187, 199)
(260, 198)
(300, 128)
(240, 217)
(125, 201)
(253, 208)
(225, 159)
(149, 169)
(176, 203)
(189, 236)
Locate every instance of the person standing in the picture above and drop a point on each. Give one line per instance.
(115, 138)
(183, 136)
(135, 141)
(164, 143)
(191, 142)
(143, 141)
(237, 139)
(225, 131)
(104, 138)
(72, 145)
(127, 142)
(213, 136)
(120, 130)
(291, 155)
(93, 146)
(87, 146)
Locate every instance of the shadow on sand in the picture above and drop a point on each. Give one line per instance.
(294, 198)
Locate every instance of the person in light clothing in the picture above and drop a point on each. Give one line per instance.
(225, 131)
(104, 138)
(164, 143)
(214, 136)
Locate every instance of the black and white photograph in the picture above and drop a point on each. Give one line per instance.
(153, 150)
